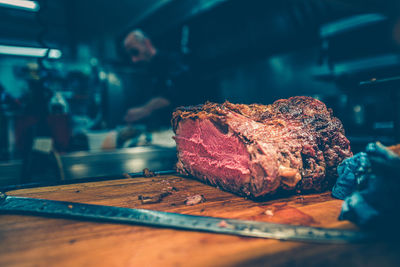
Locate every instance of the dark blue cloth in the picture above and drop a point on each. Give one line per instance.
(352, 173)
(369, 183)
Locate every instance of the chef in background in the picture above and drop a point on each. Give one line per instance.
(173, 84)
(170, 79)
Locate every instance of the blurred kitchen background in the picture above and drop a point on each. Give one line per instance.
(65, 85)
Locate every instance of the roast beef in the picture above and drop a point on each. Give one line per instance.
(256, 150)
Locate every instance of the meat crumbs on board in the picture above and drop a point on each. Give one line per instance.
(292, 145)
(194, 200)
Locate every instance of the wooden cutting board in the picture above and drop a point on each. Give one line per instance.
(37, 241)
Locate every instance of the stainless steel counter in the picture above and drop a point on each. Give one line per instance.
(108, 163)
(99, 164)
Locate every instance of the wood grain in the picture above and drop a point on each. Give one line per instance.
(37, 241)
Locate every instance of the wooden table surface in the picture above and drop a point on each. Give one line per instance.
(38, 241)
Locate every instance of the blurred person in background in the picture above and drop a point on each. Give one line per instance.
(171, 80)
(173, 84)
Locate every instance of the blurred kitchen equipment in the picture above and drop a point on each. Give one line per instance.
(94, 165)
(8, 106)
(80, 165)
(356, 52)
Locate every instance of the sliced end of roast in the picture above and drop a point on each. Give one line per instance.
(211, 152)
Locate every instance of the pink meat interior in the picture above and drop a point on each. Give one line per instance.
(206, 150)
